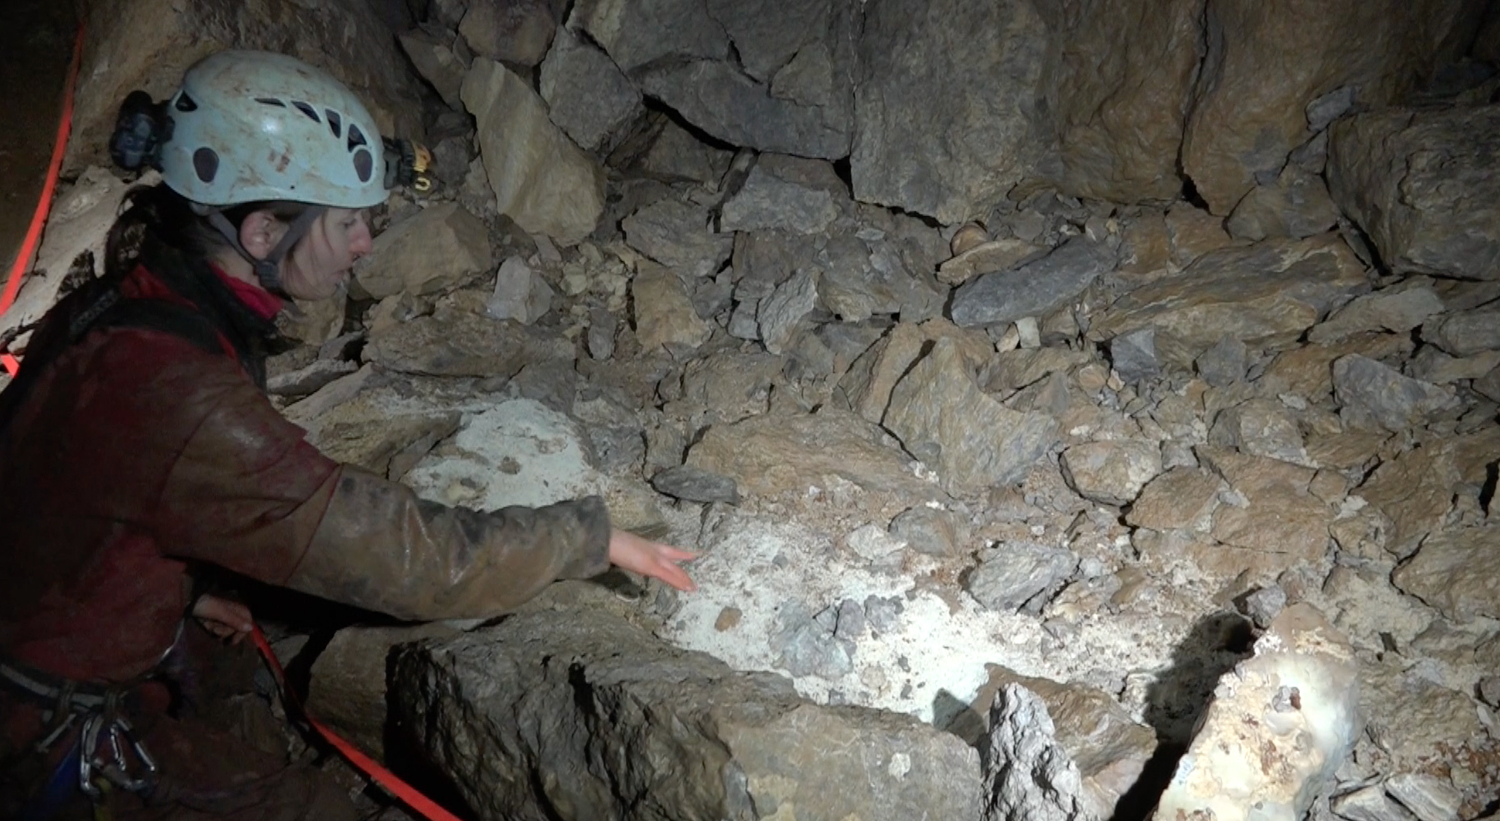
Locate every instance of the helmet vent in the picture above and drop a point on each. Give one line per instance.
(312, 113)
(364, 164)
(206, 164)
(356, 137)
(335, 123)
(185, 103)
(270, 101)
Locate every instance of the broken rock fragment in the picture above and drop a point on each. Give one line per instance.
(1279, 726)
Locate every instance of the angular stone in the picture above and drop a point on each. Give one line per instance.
(780, 315)
(509, 31)
(1428, 797)
(1268, 292)
(540, 178)
(426, 253)
(1307, 370)
(1180, 499)
(696, 485)
(1224, 364)
(789, 193)
(867, 385)
(677, 155)
(591, 713)
(309, 378)
(996, 255)
(1260, 427)
(1027, 773)
(930, 530)
(973, 442)
(587, 95)
(1010, 574)
(1465, 333)
(1013, 370)
(1372, 395)
(455, 343)
(1278, 728)
(1194, 232)
(433, 56)
(797, 97)
(980, 98)
(1395, 311)
(1434, 366)
(1368, 804)
(775, 453)
(1456, 572)
(1418, 723)
(863, 277)
(520, 294)
(381, 442)
(1415, 490)
(1111, 472)
(1281, 519)
(677, 235)
(664, 314)
(1133, 355)
(1420, 183)
(1248, 116)
(1297, 205)
(1035, 287)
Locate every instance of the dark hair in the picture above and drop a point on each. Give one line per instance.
(157, 215)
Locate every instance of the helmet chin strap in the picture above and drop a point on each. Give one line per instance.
(268, 269)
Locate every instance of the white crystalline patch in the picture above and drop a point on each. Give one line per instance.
(935, 653)
(517, 452)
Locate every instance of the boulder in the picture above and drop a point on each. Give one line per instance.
(586, 716)
(1267, 62)
(1420, 182)
(982, 126)
(587, 95)
(540, 178)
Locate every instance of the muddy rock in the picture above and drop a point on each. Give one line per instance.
(540, 178)
(1296, 205)
(429, 252)
(987, 257)
(509, 31)
(1180, 499)
(1456, 572)
(867, 384)
(664, 314)
(1260, 427)
(1465, 333)
(1420, 184)
(430, 50)
(1279, 522)
(972, 441)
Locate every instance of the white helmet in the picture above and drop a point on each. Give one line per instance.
(250, 126)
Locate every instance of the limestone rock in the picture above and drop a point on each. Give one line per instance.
(520, 294)
(1271, 291)
(664, 314)
(1428, 797)
(1395, 311)
(1260, 427)
(1420, 183)
(1247, 116)
(677, 155)
(1120, 109)
(930, 530)
(980, 97)
(677, 235)
(1307, 370)
(1111, 472)
(435, 60)
(1418, 723)
(1028, 773)
(1133, 356)
(1456, 572)
(972, 441)
(1280, 521)
(509, 31)
(779, 315)
(789, 90)
(775, 453)
(1032, 288)
(587, 95)
(867, 385)
(1466, 332)
(1374, 395)
(1013, 573)
(1277, 729)
(1434, 366)
(1296, 205)
(426, 253)
(592, 714)
(987, 257)
(1415, 490)
(540, 178)
(1180, 499)
(455, 343)
(788, 193)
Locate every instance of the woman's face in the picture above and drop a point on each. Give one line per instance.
(321, 260)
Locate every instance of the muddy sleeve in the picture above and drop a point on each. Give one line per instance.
(249, 493)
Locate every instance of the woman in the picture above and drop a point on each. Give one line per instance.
(137, 444)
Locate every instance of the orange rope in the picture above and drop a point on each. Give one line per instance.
(44, 205)
(380, 775)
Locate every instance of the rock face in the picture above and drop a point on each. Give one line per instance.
(1421, 184)
(149, 45)
(1120, 96)
(1277, 729)
(981, 125)
(1248, 116)
(787, 89)
(587, 717)
(540, 178)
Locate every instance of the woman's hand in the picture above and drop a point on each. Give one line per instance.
(224, 618)
(649, 558)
